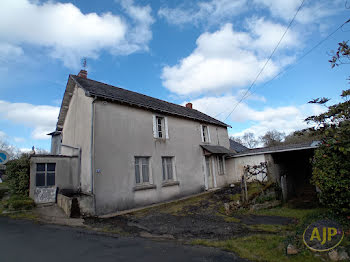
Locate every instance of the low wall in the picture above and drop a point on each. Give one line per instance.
(65, 203)
(76, 206)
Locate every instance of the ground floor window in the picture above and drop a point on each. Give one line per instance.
(142, 170)
(220, 165)
(167, 166)
(45, 174)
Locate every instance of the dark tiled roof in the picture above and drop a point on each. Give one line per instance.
(280, 148)
(216, 149)
(237, 146)
(120, 95)
(54, 133)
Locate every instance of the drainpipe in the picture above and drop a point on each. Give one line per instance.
(92, 150)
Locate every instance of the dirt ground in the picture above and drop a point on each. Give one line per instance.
(196, 218)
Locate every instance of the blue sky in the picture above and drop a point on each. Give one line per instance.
(207, 52)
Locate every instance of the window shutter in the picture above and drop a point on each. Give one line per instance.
(166, 127)
(201, 133)
(208, 134)
(154, 127)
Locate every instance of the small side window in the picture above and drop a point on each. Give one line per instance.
(45, 174)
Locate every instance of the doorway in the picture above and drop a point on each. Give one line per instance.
(209, 171)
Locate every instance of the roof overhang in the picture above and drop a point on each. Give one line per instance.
(215, 149)
(271, 151)
(68, 93)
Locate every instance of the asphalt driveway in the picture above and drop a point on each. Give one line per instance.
(27, 241)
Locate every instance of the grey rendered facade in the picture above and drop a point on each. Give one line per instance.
(132, 150)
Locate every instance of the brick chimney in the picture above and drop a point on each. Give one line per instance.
(83, 73)
(189, 105)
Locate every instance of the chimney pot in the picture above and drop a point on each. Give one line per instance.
(189, 105)
(83, 73)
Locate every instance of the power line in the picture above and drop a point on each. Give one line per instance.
(303, 56)
(267, 61)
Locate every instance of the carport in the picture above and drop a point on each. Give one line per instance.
(289, 165)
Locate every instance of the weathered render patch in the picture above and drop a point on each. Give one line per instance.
(44, 195)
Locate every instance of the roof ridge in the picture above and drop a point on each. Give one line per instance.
(75, 78)
(137, 93)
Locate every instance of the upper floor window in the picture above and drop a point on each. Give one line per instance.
(142, 170)
(205, 134)
(167, 166)
(160, 127)
(45, 174)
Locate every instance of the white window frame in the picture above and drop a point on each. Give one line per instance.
(164, 127)
(165, 176)
(138, 166)
(205, 135)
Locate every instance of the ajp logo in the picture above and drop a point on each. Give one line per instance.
(323, 235)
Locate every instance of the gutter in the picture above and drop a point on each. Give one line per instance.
(272, 151)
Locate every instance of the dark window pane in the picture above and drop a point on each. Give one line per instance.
(50, 179)
(51, 167)
(169, 168)
(137, 172)
(40, 179)
(145, 175)
(164, 168)
(40, 167)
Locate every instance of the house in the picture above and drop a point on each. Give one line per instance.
(116, 149)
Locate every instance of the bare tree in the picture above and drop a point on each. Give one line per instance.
(248, 140)
(12, 151)
(272, 138)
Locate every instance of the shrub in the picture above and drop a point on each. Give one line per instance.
(17, 171)
(18, 202)
(331, 165)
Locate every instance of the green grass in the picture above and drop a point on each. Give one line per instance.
(3, 185)
(285, 211)
(18, 203)
(271, 228)
(260, 247)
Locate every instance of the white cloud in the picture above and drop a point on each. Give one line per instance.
(228, 59)
(216, 11)
(284, 118)
(139, 33)
(65, 31)
(18, 139)
(311, 12)
(41, 118)
(2, 135)
(25, 150)
(212, 12)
